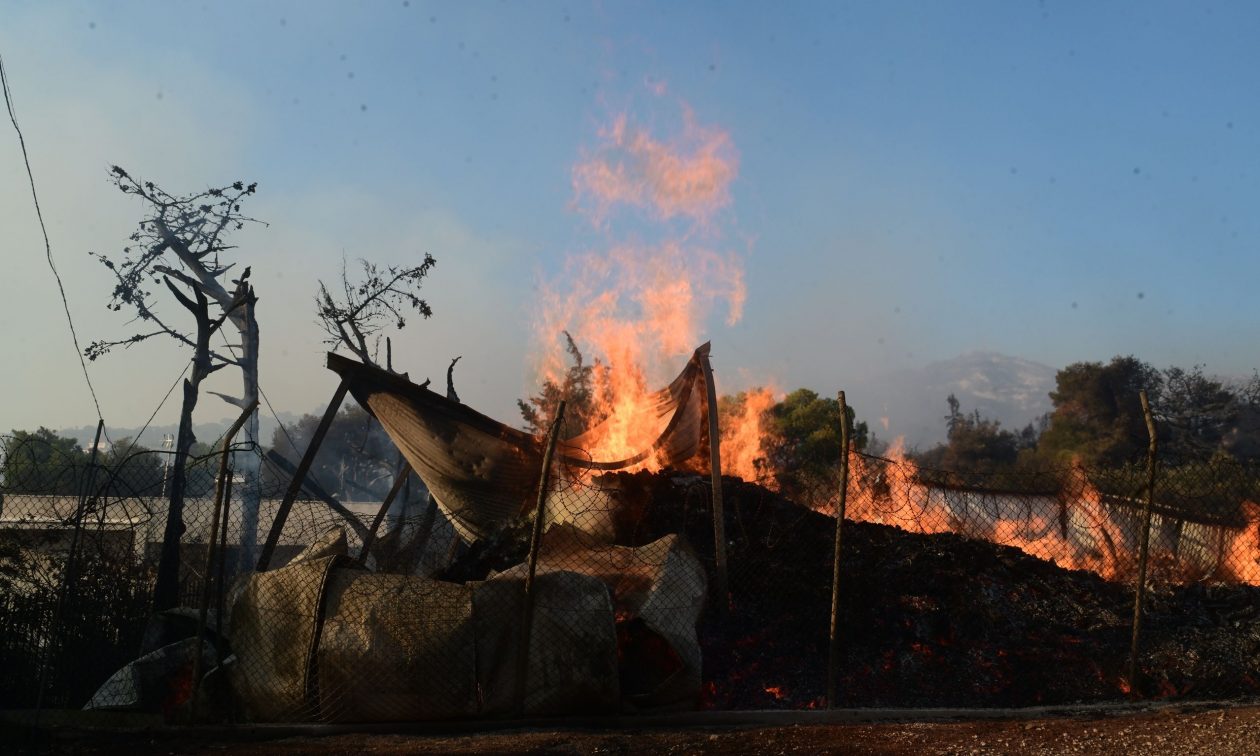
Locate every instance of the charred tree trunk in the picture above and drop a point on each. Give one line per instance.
(166, 589)
(251, 464)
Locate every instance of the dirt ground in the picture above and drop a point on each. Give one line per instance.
(1201, 729)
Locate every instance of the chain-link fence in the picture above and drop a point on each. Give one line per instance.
(614, 606)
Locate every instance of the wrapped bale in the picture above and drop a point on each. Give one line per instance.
(318, 641)
(658, 593)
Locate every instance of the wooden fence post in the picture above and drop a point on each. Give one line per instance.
(715, 474)
(1144, 548)
(833, 658)
(535, 541)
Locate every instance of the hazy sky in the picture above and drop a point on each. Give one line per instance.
(899, 183)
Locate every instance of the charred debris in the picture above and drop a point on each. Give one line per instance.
(929, 620)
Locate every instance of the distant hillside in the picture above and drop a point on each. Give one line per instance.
(206, 432)
(1012, 390)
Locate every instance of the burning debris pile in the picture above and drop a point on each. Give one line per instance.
(926, 619)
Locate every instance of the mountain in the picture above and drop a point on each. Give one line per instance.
(1011, 390)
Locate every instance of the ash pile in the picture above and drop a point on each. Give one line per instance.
(925, 620)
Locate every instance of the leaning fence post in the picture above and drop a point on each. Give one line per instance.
(299, 477)
(535, 541)
(222, 484)
(404, 472)
(1144, 547)
(715, 473)
(833, 658)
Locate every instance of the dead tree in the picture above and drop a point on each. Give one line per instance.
(180, 245)
(383, 297)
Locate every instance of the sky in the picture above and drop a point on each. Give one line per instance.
(881, 185)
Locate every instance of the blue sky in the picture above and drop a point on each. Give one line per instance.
(1057, 181)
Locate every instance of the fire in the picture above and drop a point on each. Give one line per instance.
(742, 434)
(776, 692)
(688, 176)
(1075, 530)
(640, 307)
(1246, 569)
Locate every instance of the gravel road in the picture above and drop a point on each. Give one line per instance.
(1211, 729)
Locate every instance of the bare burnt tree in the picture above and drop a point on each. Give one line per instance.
(179, 246)
(383, 297)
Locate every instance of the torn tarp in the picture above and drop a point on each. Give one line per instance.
(483, 473)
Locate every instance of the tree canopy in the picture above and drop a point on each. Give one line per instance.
(802, 446)
(42, 462)
(1097, 416)
(355, 462)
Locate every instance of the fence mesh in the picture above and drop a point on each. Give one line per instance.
(621, 612)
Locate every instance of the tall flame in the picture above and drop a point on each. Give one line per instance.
(742, 435)
(640, 307)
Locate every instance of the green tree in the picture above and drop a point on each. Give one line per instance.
(976, 444)
(802, 445)
(355, 462)
(979, 453)
(131, 470)
(41, 462)
(1196, 413)
(1097, 415)
(578, 388)
(1242, 439)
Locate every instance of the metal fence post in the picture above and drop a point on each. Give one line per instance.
(1143, 550)
(833, 657)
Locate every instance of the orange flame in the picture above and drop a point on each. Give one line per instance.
(1246, 569)
(1083, 536)
(688, 176)
(640, 308)
(742, 434)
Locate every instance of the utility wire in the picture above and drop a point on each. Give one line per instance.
(169, 391)
(8, 101)
(263, 394)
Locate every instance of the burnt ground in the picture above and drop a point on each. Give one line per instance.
(926, 620)
(1170, 729)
